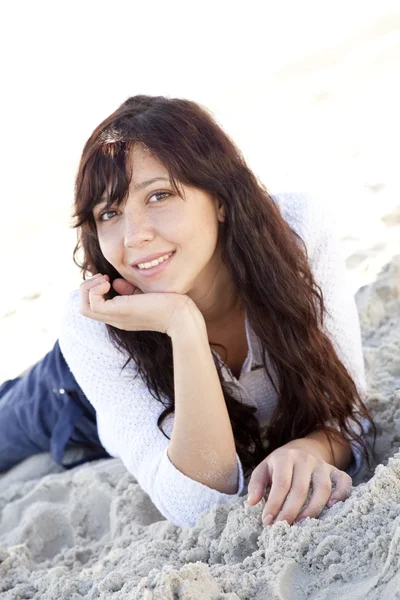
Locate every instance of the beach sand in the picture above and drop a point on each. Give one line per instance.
(92, 532)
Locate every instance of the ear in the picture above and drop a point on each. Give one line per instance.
(220, 209)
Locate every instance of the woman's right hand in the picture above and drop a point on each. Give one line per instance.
(133, 310)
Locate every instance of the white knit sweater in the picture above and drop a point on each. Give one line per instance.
(127, 413)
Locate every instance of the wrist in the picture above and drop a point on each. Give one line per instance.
(317, 443)
(188, 321)
(312, 446)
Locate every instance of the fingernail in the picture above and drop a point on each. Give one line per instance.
(301, 520)
(331, 503)
(267, 520)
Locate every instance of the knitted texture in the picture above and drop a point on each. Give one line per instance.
(127, 413)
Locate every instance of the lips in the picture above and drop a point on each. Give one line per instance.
(150, 258)
(156, 269)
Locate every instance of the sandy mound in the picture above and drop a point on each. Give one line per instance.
(92, 532)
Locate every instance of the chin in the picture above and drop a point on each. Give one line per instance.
(161, 287)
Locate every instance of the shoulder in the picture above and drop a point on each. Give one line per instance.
(309, 216)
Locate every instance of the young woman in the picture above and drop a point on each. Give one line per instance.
(217, 338)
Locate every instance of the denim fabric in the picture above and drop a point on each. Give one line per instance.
(45, 410)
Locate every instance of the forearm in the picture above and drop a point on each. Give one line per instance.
(202, 444)
(318, 443)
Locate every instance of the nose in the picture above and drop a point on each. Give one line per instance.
(138, 228)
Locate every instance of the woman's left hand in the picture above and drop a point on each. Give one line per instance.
(289, 470)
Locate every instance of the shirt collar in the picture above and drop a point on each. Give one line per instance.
(254, 355)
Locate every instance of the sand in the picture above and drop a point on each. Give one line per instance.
(92, 532)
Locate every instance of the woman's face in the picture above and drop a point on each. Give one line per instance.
(155, 220)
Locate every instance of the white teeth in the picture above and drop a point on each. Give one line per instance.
(153, 263)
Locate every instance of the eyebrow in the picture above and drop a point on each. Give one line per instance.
(139, 186)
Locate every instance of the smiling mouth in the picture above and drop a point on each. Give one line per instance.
(155, 268)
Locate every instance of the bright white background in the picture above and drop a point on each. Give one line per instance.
(308, 90)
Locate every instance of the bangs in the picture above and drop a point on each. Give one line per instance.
(109, 174)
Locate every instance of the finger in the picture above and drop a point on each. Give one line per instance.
(281, 483)
(343, 486)
(259, 480)
(298, 493)
(322, 488)
(92, 277)
(123, 287)
(96, 293)
(84, 289)
(89, 281)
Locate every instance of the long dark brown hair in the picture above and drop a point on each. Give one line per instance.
(268, 262)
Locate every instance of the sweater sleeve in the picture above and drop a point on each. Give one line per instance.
(127, 416)
(317, 224)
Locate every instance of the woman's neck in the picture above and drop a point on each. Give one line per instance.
(222, 301)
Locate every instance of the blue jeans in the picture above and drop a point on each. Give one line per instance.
(45, 410)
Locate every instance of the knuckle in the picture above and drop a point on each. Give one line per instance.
(321, 464)
(347, 478)
(325, 486)
(310, 459)
(282, 484)
(342, 493)
(302, 489)
(292, 452)
(86, 283)
(348, 492)
(343, 483)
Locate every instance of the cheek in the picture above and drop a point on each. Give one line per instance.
(203, 240)
(202, 224)
(207, 229)
(109, 249)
